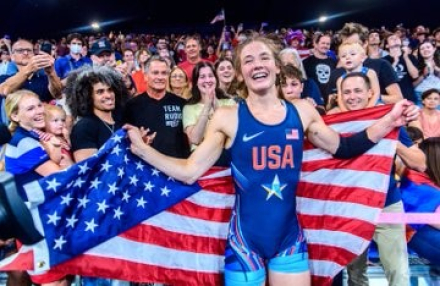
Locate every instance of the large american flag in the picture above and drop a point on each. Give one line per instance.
(338, 203)
(92, 216)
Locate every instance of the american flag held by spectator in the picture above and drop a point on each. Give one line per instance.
(339, 201)
(184, 244)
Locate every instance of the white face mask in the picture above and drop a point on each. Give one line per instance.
(75, 48)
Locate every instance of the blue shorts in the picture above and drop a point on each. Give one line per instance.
(244, 267)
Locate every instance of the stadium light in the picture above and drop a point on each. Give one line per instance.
(95, 26)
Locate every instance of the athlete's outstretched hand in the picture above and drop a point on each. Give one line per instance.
(139, 137)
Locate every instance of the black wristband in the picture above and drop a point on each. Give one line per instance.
(353, 145)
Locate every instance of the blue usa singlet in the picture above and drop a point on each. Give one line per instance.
(266, 164)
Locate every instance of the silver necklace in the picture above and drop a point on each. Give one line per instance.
(110, 127)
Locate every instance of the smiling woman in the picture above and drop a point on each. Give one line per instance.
(178, 83)
(265, 136)
(27, 158)
(226, 74)
(206, 98)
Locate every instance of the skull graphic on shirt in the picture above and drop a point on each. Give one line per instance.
(323, 73)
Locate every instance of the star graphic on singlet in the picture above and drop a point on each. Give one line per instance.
(274, 189)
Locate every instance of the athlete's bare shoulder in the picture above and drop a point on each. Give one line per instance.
(306, 111)
(225, 120)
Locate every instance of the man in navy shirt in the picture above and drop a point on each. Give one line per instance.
(64, 65)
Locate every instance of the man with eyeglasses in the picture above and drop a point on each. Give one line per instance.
(47, 85)
(72, 61)
(404, 64)
(159, 111)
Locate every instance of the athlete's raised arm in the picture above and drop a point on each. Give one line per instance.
(185, 170)
(345, 147)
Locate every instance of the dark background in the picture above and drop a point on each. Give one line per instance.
(55, 18)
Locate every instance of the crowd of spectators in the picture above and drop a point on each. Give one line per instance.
(171, 85)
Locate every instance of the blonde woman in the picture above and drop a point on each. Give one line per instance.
(30, 159)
